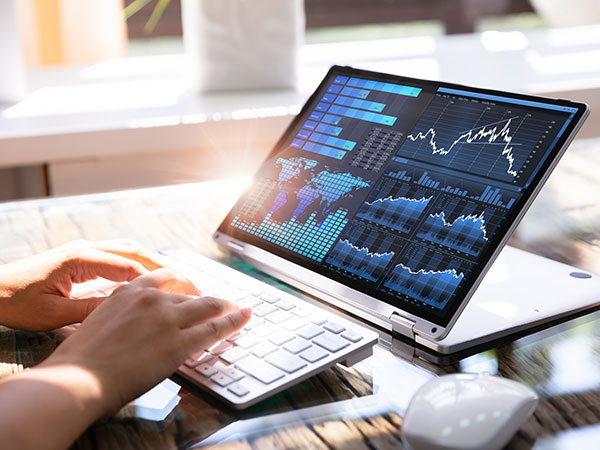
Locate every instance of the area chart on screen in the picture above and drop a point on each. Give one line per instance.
(427, 275)
(363, 251)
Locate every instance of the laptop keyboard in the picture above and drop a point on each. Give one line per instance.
(286, 340)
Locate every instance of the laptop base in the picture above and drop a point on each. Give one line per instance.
(521, 291)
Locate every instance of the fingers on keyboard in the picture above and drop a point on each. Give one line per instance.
(284, 340)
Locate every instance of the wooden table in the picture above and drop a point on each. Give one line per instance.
(357, 407)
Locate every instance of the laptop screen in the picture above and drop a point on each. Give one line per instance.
(400, 188)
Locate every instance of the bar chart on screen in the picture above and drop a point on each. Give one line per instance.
(451, 184)
(349, 106)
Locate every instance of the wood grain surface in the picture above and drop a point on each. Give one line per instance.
(359, 407)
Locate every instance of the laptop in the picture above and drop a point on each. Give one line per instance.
(392, 196)
(389, 198)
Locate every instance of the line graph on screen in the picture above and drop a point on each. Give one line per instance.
(487, 134)
(492, 140)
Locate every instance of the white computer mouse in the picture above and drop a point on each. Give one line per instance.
(464, 411)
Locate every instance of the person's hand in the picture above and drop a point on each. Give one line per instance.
(35, 291)
(139, 335)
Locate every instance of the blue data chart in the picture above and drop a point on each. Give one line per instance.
(299, 210)
(398, 213)
(450, 184)
(396, 206)
(460, 225)
(426, 275)
(319, 149)
(496, 141)
(358, 103)
(466, 233)
(359, 114)
(363, 252)
(348, 109)
(310, 239)
(384, 87)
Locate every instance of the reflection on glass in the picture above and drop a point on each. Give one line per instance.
(482, 362)
(574, 366)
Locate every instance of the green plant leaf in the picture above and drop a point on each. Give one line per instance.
(157, 13)
(134, 7)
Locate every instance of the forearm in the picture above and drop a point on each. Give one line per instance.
(49, 406)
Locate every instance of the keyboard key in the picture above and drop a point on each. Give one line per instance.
(234, 337)
(254, 322)
(284, 304)
(249, 301)
(317, 319)
(205, 283)
(265, 329)
(254, 288)
(297, 345)
(233, 355)
(218, 289)
(334, 327)
(207, 370)
(300, 312)
(278, 316)
(219, 347)
(263, 350)
(259, 369)
(269, 297)
(247, 341)
(238, 389)
(285, 361)
(331, 342)
(233, 373)
(313, 354)
(240, 281)
(263, 310)
(232, 294)
(281, 337)
(352, 336)
(293, 324)
(200, 359)
(224, 273)
(221, 379)
(189, 257)
(309, 331)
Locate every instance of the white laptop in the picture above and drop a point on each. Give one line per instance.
(390, 198)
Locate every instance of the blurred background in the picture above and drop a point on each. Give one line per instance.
(100, 95)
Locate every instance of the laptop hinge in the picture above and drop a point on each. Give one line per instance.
(235, 248)
(402, 325)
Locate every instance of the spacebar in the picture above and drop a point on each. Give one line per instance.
(259, 369)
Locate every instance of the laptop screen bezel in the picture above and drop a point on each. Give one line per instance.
(434, 327)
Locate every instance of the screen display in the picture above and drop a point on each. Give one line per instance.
(399, 188)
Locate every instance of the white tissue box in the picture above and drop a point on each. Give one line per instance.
(243, 44)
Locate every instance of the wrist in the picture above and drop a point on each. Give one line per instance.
(71, 397)
(80, 384)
